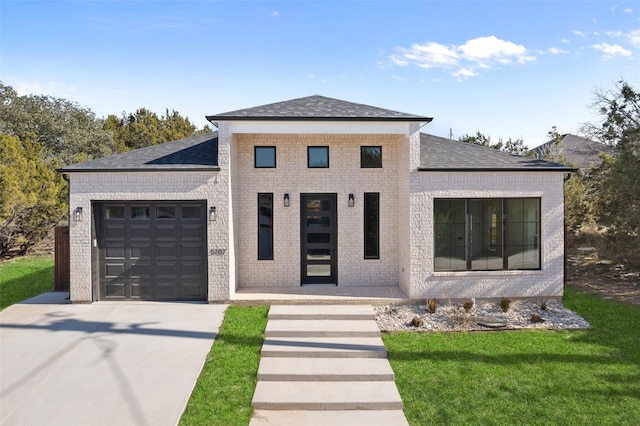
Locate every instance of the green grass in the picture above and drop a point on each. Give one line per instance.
(525, 377)
(223, 393)
(25, 277)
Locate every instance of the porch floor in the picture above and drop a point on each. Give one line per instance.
(321, 294)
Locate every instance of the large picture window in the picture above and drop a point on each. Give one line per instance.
(265, 226)
(486, 234)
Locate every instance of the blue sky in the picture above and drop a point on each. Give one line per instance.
(509, 69)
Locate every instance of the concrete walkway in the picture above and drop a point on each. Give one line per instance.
(325, 365)
(108, 363)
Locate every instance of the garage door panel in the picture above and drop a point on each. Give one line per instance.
(191, 232)
(114, 252)
(191, 250)
(140, 232)
(115, 232)
(166, 232)
(141, 251)
(152, 250)
(114, 270)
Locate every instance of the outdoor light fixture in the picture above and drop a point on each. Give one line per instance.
(351, 200)
(77, 214)
(286, 200)
(212, 214)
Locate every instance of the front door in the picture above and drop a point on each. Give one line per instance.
(318, 239)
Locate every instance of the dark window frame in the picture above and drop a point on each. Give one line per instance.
(309, 148)
(505, 246)
(369, 222)
(255, 157)
(262, 255)
(362, 157)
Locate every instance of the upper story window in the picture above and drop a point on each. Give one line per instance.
(371, 157)
(318, 157)
(265, 157)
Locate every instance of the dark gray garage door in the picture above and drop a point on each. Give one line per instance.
(152, 250)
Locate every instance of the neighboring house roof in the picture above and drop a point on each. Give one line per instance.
(441, 154)
(316, 108)
(577, 150)
(195, 153)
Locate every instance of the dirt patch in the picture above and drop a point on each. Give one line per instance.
(586, 271)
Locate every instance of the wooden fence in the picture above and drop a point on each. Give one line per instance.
(62, 259)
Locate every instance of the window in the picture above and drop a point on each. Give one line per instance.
(265, 226)
(318, 157)
(486, 234)
(371, 225)
(265, 157)
(370, 157)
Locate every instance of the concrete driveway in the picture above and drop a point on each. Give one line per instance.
(108, 363)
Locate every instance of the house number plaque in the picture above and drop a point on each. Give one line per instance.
(217, 252)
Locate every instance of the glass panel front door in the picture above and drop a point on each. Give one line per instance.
(318, 239)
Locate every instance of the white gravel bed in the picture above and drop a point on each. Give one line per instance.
(452, 317)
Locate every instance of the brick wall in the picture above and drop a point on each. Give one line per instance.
(425, 186)
(344, 176)
(85, 188)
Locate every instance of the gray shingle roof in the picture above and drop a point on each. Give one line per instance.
(194, 153)
(580, 151)
(316, 108)
(441, 154)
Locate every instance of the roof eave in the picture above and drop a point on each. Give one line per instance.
(497, 169)
(215, 119)
(145, 169)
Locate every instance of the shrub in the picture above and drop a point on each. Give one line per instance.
(432, 305)
(505, 304)
(467, 305)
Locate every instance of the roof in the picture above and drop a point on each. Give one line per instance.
(441, 154)
(316, 108)
(580, 151)
(195, 153)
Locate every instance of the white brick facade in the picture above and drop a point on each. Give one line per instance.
(548, 281)
(406, 211)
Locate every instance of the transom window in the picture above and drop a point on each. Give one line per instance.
(486, 234)
(371, 157)
(265, 157)
(318, 157)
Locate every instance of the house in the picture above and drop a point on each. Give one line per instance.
(315, 191)
(582, 152)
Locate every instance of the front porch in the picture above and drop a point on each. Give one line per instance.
(321, 294)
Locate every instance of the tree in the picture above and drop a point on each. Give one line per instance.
(618, 177)
(63, 128)
(516, 147)
(144, 128)
(32, 194)
(482, 140)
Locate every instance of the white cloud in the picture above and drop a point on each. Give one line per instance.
(628, 10)
(398, 78)
(312, 76)
(634, 37)
(274, 13)
(611, 50)
(49, 88)
(553, 51)
(467, 58)
(579, 33)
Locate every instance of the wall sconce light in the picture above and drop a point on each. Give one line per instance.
(212, 214)
(352, 201)
(77, 214)
(286, 200)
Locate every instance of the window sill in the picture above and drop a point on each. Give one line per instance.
(508, 273)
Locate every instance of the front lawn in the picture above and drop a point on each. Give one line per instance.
(525, 377)
(223, 393)
(25, 277)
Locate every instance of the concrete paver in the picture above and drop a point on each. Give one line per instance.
(108, 363)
